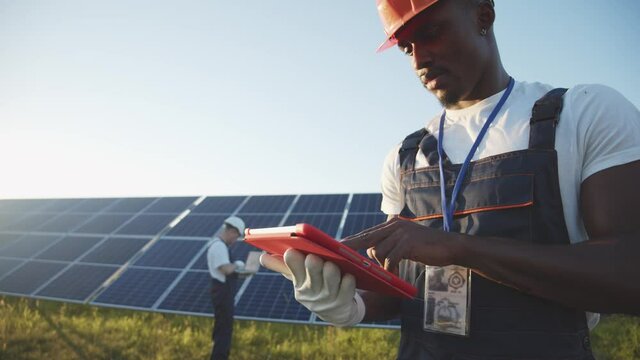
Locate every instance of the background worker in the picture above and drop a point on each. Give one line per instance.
(544, 213)
(223, 284)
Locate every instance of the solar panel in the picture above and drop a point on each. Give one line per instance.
(6, 265)
(130, 205)
(28, 246)
(28, 277)
(64, 223)
(137, 288)
(115, 251)
(103, 224)
(201, 262)
(320, 203)
(146, 224)
(259, 221)
(60, 205)
(7, 219)
(92, 205)
(69, 248)
(365, 203)
(78, 282)
(192, 294)
(6, 239)
(29, 223)
(173, 205)
(22, 205)
(327, 223)
(171, 253)
(358, 222)
(267, 204)
(198, 225)
(219, 205)
(271, 297)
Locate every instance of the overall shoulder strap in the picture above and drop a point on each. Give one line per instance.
(409, 149)
(544, 118)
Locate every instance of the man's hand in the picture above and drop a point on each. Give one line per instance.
(398, 239)
(320, 287)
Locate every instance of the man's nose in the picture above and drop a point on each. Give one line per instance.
(422, 57)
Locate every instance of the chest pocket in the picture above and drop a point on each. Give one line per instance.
(486, 206)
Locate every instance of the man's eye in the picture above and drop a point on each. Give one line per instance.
(407, 49)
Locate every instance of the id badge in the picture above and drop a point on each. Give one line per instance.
(447, 295)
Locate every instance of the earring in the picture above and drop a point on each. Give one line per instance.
(483, 32)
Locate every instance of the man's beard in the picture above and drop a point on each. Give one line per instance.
(450, 98)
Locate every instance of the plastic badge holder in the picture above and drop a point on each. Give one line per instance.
(310, 240)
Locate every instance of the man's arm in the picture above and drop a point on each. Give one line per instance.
(600, 275)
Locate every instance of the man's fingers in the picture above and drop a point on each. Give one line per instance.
(294, 260)
(370, 237)
(314, 265)
(275, 264)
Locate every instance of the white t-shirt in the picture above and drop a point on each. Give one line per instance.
(598, 129)
(217, 255)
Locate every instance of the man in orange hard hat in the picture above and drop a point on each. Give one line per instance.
(514, 210)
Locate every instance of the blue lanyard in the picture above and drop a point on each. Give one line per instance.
(448, 210)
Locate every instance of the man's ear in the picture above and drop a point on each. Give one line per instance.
(486, 15)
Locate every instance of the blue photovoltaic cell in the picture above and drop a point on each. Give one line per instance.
(69, 248)
(137, 287)
(6, 239)
(130, 205)
(271, 297)
(219, 205)
(22, 206)
(92, 205)
(103, 224)
(358, 222)
(29, 222)
(60, 205)
(173, 205)
(6, 265)
(6, 219)
(192, 294)
(171, 253)
(260, 221)
(327, 223)
(267, 204)
(28, 245)
(115, 251)
(240, 249)
(320, 204)
(368, 203)
(30, 276)
(78, 282)
(64, 223)
(198, 225)
(146, 224)
(201, 263)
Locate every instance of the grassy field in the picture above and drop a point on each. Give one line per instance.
(31, 329)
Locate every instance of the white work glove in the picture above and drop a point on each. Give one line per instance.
(320, 287)
(239, 265)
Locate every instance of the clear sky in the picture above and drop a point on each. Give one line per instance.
(208, 97)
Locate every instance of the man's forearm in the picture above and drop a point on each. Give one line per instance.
(380, 307)
(599, 275)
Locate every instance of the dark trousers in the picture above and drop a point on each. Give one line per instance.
(223, 307)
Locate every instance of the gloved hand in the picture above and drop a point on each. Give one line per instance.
(239, 264)
(320, 287)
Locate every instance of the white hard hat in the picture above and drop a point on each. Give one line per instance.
(235, 222)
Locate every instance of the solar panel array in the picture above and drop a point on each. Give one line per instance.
(150, 253)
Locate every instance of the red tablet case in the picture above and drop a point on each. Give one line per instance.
(310, 240)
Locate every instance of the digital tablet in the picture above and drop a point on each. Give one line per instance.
(310, 240)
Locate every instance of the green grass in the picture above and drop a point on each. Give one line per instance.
(32, 329)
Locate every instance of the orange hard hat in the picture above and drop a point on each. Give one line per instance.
(395, 13)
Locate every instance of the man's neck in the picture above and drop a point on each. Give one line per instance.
(490, 84)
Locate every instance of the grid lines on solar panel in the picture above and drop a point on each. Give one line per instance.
(172, 205)
(64, 223)
(137, 287)
(6, 219)
(30, 276)
(201, 262)
(103, 224)
(328, 223)
(29, 222)
(191, 294)
(130, 205)
(116, 251)
(365, 203)
(6, 265)
(171, 253)
(28, 245)
(271, 297)
(69, 248)
(320, 204)
(6, 239)
(78, 282)
(92, 205)
(355, 223)
(196, 225)
(60, 205)
(219, 205)
(267, 204)
(146, 224)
